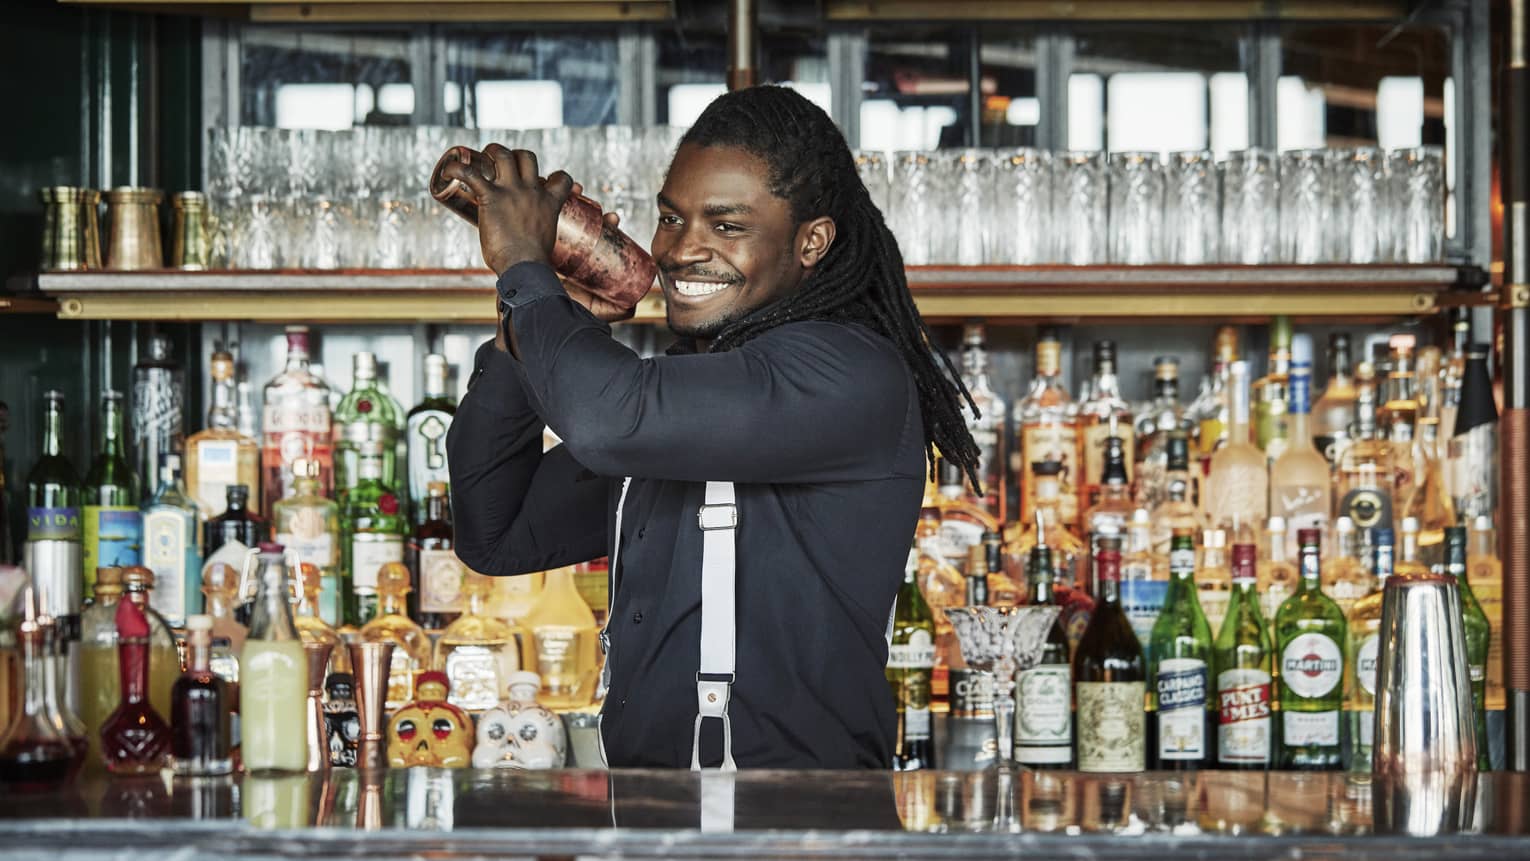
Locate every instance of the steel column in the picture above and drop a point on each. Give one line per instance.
(1514, 516)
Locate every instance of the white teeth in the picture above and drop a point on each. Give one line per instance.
(698, 288)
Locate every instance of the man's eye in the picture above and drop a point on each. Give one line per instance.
(669, 220)
(725, 227)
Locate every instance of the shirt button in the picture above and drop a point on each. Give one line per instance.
(510, 294)
(637, 618)
(642, 532)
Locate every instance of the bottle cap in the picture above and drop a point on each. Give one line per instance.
(972, 333)
(1481, 523)
(1141, 517)
(305, 468)
(1104, 353)
(1301, 348)
(1245, 558)
(1276, 524)
(524, 677)
(1455, 540)
(1410, 524)
(1166, 368)
(108, 575)
(1343, 525)
(137, 575)
(237, 493)
(431, 678)
(1306, 537)
(435, 488)
(1046, 467)
(270, 547)
(1215, 538)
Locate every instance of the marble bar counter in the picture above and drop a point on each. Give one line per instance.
(447, 814)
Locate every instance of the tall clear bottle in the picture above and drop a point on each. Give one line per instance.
(910, 664)
(295, 423)
(1334, 412)
(1044, 693)
(1478, 635)
(427, 425)
(1177, 509)
(308, 525)
(159, 426)
(373, 529)
(273, 675)
(1244, 665)
(1110, 678)
(1070, 556)
(1269, 392)
(1278, 576)
(54, 540)
(1163, 417)
(1094, 422)
(366, 414)
(1237, 488)
(1310, 633)
(1046, 421)
(1299, 480)
(1181, 661)
(1362, 648)
(1367, 484)
(113, 529)
(219, 455)
(172, 545)
(1113, 511)
(1420, 485)
(987, 429)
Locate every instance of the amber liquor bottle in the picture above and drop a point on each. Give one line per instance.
(199, 706)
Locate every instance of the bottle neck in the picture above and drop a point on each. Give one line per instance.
(975, 365)
(435, 381)
(39, 687)
(53, 429)
(1105, 385)
(1311, 567)
(218, 605)
(1410, 547)
(1182, 563)
(133, 668)
(201, 655)
(392, 604)
(224, 412)
(111, 428)
(272, 619)
(435, 508)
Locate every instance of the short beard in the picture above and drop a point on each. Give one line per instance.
(707, 329)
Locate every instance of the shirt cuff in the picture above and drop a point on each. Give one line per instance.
(527, 282)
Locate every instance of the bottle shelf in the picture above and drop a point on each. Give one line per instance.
(943, 293)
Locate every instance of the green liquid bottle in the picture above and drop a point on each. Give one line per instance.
(1309, 632)
(1245, 727)
(113, 527)
(1478, 636)
(1181, 665)
(910, 666)
(373, 529)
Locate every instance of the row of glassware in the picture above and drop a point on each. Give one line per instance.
(1029, 206)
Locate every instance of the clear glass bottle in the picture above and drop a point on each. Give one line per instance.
(159, 390)
(1366, 481)
(308, 525)
(1471, 469)
(1345, 575)
(373, 527)
(1144, 583)
(963, 519)
(427, 425)
(1070, 556)
(1299, 478)
(295, 422)
(1214, 578)
(1237, 486)
(135, 738)
(1420, 484)
(199, 706)
(172, 545)
(1164, 416)
(411, 647)
(1094, 423)
(1362, 648)
(37, 751)
(1210, 411)
(1177, 510)
(1047, 427)
(1110, 515)
(219, 456)
(987, 428)
(1245, 731)
(1484, 572)
(1278, 576)
(220, 594)
(1334, 412)
(1269, 392)
(477, 652)
(563, 632)
(273, 698)
(1310, 633)
(366, 414)
(112, 527)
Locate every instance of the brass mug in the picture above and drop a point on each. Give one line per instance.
(71, 239)
(133, 233)
(191, 238)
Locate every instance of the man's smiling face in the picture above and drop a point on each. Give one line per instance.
(725, 245)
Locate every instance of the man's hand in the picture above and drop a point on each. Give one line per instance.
(517, 210)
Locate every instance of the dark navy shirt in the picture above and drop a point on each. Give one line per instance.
(818, 425)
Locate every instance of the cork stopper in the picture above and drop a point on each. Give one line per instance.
(108, 581)
(393, 579)
(137, 577)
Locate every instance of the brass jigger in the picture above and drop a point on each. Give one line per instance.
(318, 735)
(191, 237)
(133, 235)
(370, 663)
(369, 809)
(71, 238)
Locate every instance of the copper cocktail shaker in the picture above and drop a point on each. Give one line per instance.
(600, 258)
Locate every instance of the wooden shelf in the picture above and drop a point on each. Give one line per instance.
(943, 293)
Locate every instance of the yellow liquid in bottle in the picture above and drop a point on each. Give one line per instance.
(273, 685)
(101, 689)
(564, 635)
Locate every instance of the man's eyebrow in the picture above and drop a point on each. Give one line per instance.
(713, 210)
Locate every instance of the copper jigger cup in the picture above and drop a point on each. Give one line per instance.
(1425, 757)
(71, 238)
(370, 663)
(133, 233)
(317, 655)
(191, 237)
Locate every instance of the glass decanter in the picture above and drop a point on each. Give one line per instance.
(37, 753)
(477, 652)
(411, 653)
(564, 633)
(135, 739)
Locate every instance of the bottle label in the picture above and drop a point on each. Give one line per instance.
(916, 724)
(165, 534)
(53, 524)
(1181, 686)
(559, 648)
(1044, 716)
(473, 672)
(957, 536)
(1111, 726)
(971, 693)
(314, 549)
(296, 415)
(113, 536)
(1367, 507)
(441, 576)
(369, 553)
(1311, 665)
(1310, 729)
(1143, 601)
(156, 405)
(1237, 492)
(1052, 442)
(917, 654)
(1243, 729)
(1365, 664)
(217, 468)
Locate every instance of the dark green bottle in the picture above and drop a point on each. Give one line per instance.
(111, 522)
(373, 526)
(1478, 635)
(1309, 631)
(1181, 666)
(53, 487)
(1244, 722)
(910, 670)
(1044, 693)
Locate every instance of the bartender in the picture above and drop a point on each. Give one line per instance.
(802, 391)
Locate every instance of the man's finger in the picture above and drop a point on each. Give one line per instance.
(526, 165)
(561, 185)
(504, 161)
(612, 219)
(474, 180)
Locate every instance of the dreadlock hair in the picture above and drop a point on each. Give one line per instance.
(861, 278)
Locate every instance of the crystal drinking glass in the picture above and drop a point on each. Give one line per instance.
(913, 208)
(1081, 205)
(1192, 208)
(1023, 208)
(1250, 200)
(1136, 208)
(872, 168)
(966, 178)
(1364, 206)
(1417, 179)
(1306, 211)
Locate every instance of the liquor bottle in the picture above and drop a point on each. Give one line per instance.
(1045, 417)
(342, 720)
(200, 738)
(308, 526)
(910, 666)
(1471, 466)
(1420, 491)
(411, 647)
(219, 455)
(1429, 388)
(1278, 576)
(159, 391)
(1367, 483)
(1070, 556)
(247, 418)
(1214, 578)
(1484, 572)
(295, 423)
(1478, 635)
(172, 546)
(1363, 644)
(311, 627)
(1210, 411)
(478, 652)
(1237, 486)
(1110, 515)
(372, 530)
(1299, 481)
(1176, 509)
(1162, 417)
(112, 527)
(134, 739)
(977, 576)
(59, 678)
(427, 425)
(54, 539)
(1110, 678)
(100, 669)
(1044, 693)
(435, 563)
(273, 698)
(1345, 575)
(564, 635)
(37, 752)
(1245, 735)
(1269, 392)
(1453, 373)
(1144, 583)
(366, 415)
(1309, 631)
(942, 586)
(987, 428)
(220, 592)
(1094, 418)
(1430, 500)
(1334, 412)
(963, 519)
(1181, 666)
(237, 524)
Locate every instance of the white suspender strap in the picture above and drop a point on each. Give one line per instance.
(718, 519)
(605, 636)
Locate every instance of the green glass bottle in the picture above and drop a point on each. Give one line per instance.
(428, 423)
(1309, 631)
(366, 414)
(1244, 726)
(1044, 693)
(53, 540)
(910, 666)
(113, 527)
(373, 528)
(1181, 665)
(1110, 677)
(1478, 635)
